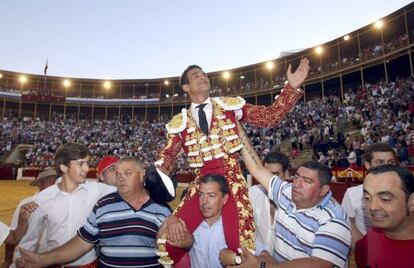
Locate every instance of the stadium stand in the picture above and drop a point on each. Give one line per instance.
(359, 91)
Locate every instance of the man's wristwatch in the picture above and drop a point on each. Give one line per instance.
(262, 264)
(237, 259)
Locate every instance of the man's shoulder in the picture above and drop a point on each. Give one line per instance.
(46, 195)
(99, 187)
(26, 200)
(355, 190)
(178, 123)
(230, 103)
(335, 210)
(108, 199)
(257, 190)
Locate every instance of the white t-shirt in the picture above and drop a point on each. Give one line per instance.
(265, 228)
(42, 246)
(353, 204)
(4, 232)
(352, 157)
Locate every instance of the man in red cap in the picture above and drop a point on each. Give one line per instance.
(105, 171)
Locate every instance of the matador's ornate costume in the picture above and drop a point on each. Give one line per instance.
(218, 152)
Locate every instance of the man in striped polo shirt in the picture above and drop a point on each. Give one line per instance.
(312, 229)
(123, 225)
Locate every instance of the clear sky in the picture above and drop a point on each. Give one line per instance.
(153, 38)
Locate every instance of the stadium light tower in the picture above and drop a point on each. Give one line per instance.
(107, 86)
(319, 50)
(22, 80)
(226, 75)
(166, 82)
(269, 66)
(346, 37)
(66, 84)
(379, 24)
(1, 76)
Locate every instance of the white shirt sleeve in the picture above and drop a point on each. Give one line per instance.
(15, 219)
(238, 113)
(107, 189)
(347, 204)
(260, 246)
(4, 232)
(31, 239)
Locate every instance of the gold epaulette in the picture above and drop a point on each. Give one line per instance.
(177, 123)
(230, 103)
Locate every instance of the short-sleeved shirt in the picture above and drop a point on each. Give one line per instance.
(321, 231)
(265, 227)
(125, 236)
(354, 206)
(4, 232)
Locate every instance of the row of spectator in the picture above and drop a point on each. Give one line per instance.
(382, 112)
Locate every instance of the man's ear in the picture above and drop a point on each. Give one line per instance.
(324, 190)
(225, 198)
(411, 203)
(141, 175)
(63, 168)
(185, 88)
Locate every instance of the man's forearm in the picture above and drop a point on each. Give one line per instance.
(71, 251)
(355, 233)
(252, 160)
(18, 233)
(8, 255)
(187, 242)
(271, 116)
(310, 262)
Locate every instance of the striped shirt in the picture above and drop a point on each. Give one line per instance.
(322, 231)
(125, 236)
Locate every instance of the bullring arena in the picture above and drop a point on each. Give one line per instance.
(360, 90)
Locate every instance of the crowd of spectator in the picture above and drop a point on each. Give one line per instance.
(140, 139)
(337, 131)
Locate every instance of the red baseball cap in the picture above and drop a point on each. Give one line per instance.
(105, 163)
